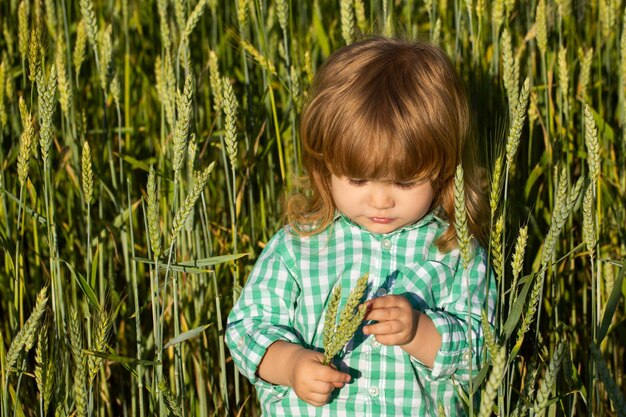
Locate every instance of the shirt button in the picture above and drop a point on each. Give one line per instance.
(240, 342)
(375, 343)
(466, 356)
(374, 391)
(380, 292)
(386, 244)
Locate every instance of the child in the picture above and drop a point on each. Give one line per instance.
(382, 133)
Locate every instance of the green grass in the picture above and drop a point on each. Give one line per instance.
(126, 328)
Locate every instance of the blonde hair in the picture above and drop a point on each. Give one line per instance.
(387, 108)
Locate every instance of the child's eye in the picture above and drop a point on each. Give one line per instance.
(357, 182)
(405, 185)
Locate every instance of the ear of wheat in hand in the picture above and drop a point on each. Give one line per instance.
(337, 335)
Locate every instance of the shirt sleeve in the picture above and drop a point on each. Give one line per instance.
(460, 297)
(263, 314)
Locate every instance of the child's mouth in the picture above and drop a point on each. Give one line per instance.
(382, 220)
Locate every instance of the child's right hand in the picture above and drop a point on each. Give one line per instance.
(312, 381)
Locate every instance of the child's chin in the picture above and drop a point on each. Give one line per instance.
(381, 228)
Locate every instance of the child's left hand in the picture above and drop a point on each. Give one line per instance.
(397, 320)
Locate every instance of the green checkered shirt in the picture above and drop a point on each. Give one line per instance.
(287, 291)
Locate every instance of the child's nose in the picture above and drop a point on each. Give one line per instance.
(381, 198)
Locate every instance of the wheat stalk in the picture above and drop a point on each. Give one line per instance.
(192, 21)
(460, 217)
(562, 208)
(347, 20)
(230, 119)
(184, 111)
(586, 59)
(34, 59)
(490, 339)
(308, 66)
(179, 12)
(436, 37)
(563, 78)
(106, 56)
(51, 18)
(604, 18)
(114, 89)
(282, 11)
(481, 13)
(46, 92)
(541, 29)
(496, 187)
(564, 8)
(593, 147)
(517, 262)
(529, 314)
(622, 55)
(87, 173)
(23, 32)
(497, 15)
(545, 386)
(25, 144)
(359, 14)
(496, 247)
(166, 36)
(330, 320)
(589, 228)
(9, 88)
(99, 344)
(164, 86)
(44, 370)
(509, 6)
(76, 347)
(350, 318)
(515, 131)
(295, 88)
(64, 85)
(185, 210)
(508, 70)
(493, 383)
(170, 399)
(80, 46)
(154, 228)
(3, 110)
(25, 337)
(91, 23)
(260, 59)
(215, 81)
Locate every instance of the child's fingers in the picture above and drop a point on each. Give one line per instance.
(388, 313)
(380, 329)
(316, 399)
(381, 302)
(388, 301)
(333, 376)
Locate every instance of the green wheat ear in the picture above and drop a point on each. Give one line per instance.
(350, 317)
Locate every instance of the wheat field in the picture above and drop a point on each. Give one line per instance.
(147, 148)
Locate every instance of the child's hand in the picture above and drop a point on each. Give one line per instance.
(397, 320)
(312, 381)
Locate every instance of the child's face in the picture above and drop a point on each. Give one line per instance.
(381, 206)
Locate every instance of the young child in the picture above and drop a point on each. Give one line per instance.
(383, 131)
